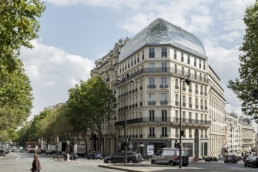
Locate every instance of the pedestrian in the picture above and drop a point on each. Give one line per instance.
(35, 164)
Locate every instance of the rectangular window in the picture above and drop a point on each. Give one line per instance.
(151, 65)
(196, 88)
(200, 76)
(151, 53)
(176, 83)
(190, 100)
(151, 81)
(142, 54)
(152, 131)
(164, 96)
(195, 61)
(174, 54)
(163, 81)
(182, 57)
(195, 75)
(183, 71)
(175, 68)
(151, 97)
(188, 59)
(164, 67)
(200, 65)
(164, 115)
(176, 97)
(189, 73)
(204, 65)
(164, 131)
(164, 52)
(152, 115)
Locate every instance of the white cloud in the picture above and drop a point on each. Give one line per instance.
(52, 72)
(176, 12)
(100, 3)
(233, 13)
(230, 37)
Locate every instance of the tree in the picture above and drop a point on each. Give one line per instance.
(15, 97)
(91, 105)
(18, 26)
(247, 82)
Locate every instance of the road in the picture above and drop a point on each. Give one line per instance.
(20, 162)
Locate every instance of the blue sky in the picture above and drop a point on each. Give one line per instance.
(74, 33)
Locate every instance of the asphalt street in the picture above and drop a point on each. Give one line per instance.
(21, 162)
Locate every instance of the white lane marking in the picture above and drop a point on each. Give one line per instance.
(17, 159)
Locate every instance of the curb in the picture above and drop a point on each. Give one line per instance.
(119, 168)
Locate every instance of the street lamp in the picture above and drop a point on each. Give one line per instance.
(188, 81)
(139, 132)
(125, 122)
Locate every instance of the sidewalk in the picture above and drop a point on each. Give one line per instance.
(147, 167)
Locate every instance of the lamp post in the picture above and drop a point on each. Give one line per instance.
(125, 122)
(187, 80)
(139, 133)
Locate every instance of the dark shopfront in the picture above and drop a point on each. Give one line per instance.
(158, 144)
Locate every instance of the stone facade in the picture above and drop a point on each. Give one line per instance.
(155, 59)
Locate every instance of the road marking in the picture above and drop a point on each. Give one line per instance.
(18, 158)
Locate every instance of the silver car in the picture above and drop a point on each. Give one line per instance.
(170, 156)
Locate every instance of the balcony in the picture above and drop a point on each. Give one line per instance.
(152, 102)
(163, 102)
(151, 86)
(163, 135)
(163, 86)
(152, 136)
(163, 120)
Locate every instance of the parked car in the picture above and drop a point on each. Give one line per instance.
(251, 161)
(2, 152)
(132, 157)
(49, 152)
(231, 157)
(170, 156)
(98, 156)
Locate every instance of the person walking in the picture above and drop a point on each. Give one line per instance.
(35, 164)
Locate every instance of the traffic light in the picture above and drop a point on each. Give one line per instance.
(129, 141)
(176, 144)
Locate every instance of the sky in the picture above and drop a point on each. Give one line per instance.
(75, 33)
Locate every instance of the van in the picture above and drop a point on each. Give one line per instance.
(170, 156)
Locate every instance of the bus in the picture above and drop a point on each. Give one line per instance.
(31, 146)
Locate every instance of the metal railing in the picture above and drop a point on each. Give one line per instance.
(164, 120)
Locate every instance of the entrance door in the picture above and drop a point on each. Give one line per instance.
(196, 143)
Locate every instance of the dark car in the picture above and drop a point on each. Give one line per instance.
(2, 152)
(49, 152)
(230, 158)
(251, 161)
(98, 156)
(132, 157)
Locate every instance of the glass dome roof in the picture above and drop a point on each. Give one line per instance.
(163, 32)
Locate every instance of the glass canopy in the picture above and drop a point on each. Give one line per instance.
(163, 32)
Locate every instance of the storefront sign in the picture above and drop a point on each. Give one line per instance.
(150, 149)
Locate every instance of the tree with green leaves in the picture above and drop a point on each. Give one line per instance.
(15, 97)
(247, 83)
(91, 105)
(18, 26)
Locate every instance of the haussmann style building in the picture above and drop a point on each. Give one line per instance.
(144, 73)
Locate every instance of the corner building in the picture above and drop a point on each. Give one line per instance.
(155, 58)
